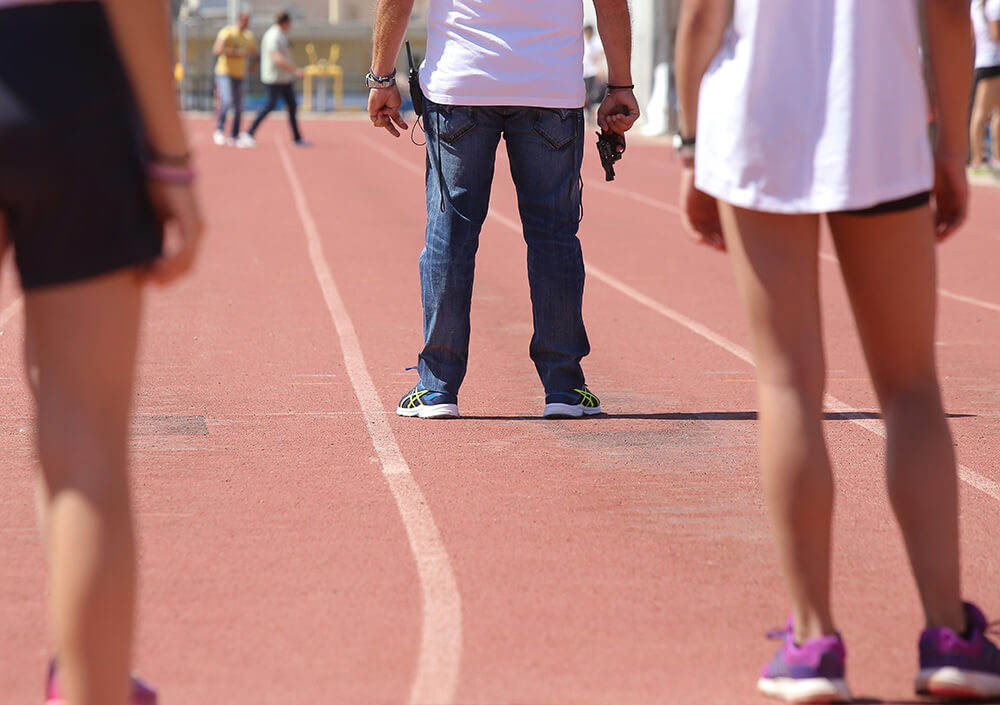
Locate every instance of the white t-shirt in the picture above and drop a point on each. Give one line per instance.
(274, 40)
(504, 52)
(987, 49)
(813, 107)
(593, 56)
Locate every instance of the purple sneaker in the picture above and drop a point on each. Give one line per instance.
(811, 673)
(951, 666)
(141, 693)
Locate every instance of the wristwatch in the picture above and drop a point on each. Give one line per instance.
(684, 148)
(372, 80)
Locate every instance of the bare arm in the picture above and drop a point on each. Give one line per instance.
(949, 49)
(391, 20)
(995, 30)
(278, 58)
(620, 109)
(142, 35)
(699, 36)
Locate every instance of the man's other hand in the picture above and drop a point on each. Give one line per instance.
(383, 109)
(618, 112)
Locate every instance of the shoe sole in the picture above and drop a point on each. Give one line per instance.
(435, 411)
(569, 411)
(957, 683)
(806, 690)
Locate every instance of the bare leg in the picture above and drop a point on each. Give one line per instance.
(977, 124)
(889, 267)
(987, 102)
(775, 258)
(82, 345)
(995, 130)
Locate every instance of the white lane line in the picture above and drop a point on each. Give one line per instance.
(945, 293)
(637, 197)
(389, 154)
(10, 311)
(437, 669)
(874, 426)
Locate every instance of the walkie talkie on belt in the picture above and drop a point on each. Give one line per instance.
(416, 95)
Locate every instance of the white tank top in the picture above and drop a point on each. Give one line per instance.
(987, 50)
(504, 52)
(813, 107)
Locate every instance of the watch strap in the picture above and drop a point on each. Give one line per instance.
(373, 80)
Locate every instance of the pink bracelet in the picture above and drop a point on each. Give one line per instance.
(179, 176)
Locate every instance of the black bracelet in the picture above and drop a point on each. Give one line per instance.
(620, 88)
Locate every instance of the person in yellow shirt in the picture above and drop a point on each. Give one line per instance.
(234, 46)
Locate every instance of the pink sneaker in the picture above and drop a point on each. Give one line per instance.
(141, 694)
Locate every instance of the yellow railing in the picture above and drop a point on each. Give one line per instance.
(323, 68)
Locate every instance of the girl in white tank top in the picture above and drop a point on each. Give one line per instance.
(797, 109)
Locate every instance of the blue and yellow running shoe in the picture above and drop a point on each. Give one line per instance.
(571, 405)
(427, 404)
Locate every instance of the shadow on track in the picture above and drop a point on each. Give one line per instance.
(693, 416)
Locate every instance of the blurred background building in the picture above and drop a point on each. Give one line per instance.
(347, 26)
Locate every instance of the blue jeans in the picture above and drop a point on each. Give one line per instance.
(230, 96)
(276, 92)
(545, 149)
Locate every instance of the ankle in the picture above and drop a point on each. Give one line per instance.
(951, 616)
(809, 626)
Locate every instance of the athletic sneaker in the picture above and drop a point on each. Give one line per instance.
(302, 143)
(811, 673)
(427, 404)
(141, 694)
(571, 405)
(219, 138)
(246, 141)
(960, 668)
(981, 169)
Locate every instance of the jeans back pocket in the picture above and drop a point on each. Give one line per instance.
(559, 127)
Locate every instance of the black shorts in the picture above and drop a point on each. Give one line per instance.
(900, 204)
(72, 155)
(985, 72)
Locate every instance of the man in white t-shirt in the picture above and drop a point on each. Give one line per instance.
(511, 69)
(278, 72)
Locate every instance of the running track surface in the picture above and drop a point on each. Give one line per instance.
(302, 544)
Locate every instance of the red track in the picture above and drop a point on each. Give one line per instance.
(623, 559)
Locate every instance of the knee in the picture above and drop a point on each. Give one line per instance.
(84, 460)
(914, 401)
(801, 371)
